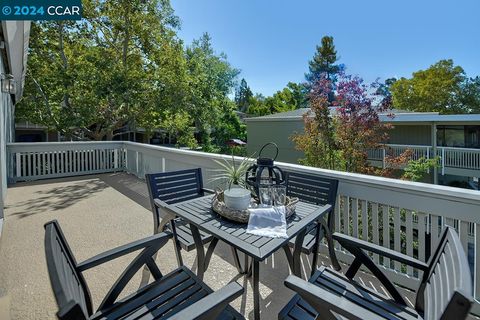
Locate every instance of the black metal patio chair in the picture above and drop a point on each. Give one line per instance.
(445, 291)
(172, 187)
(176, 295)
(320, 191)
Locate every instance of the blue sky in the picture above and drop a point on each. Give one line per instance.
(272, 41)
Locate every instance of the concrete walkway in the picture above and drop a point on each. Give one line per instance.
(98, 213)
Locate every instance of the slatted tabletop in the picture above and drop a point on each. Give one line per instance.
(199, 212)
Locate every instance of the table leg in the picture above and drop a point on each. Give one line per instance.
(236, 260)
(256, 289)
(289, 255)
(211, 248)
(315, 249)
(248, 267)
(200, 250)
(297, 251)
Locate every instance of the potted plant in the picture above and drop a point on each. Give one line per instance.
(235, 196)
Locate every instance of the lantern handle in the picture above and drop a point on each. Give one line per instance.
(270, 143)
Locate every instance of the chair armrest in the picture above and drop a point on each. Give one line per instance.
(212, 305)
(157, 240)
(324, 301)
(348, 242)
(208, 190)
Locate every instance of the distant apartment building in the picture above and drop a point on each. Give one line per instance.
(455, 139)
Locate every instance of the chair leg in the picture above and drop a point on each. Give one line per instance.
(200, 251)
(331, 248)
(176, 244)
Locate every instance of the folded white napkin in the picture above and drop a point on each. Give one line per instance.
(268, 222)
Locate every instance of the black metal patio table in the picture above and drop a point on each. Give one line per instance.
(198, 212)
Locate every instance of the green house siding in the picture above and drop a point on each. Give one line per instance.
(410, 134)
(278, 131)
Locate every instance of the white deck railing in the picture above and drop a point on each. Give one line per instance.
(400, 215)
(42, 160)
(459, 158)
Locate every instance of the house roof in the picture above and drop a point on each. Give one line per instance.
(297, 113)
(393, 116)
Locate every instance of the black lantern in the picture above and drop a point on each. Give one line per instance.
(264, 172)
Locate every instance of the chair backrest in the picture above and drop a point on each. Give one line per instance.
(446, 288)
(68, 284)
(172, 187)
(312, 188)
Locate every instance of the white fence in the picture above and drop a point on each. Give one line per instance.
(33, 161)
(460, 158)
(400, 215)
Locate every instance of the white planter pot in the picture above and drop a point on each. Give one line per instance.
(237, 198)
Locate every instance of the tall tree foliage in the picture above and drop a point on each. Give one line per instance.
(443, 87)
(318, 142)
(243, 94)
(323, 62)
(299, 92)
(116, 66)
(211, 80)
(123, 64)
(292, 97)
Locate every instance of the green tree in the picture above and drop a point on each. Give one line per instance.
(439, 88)
(417, 170)
(323, 62)
(299, 94)
(211, 80)
(116, 66)
(292, 97)
(318, 141)
(471, 94)
(180, 125)
(243, 95)
(229, 127)
(257, 106)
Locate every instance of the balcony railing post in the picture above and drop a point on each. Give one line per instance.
(427, 156)
(383, 158)
(18, 164)
(443, 161)
(476, 266)
(115, 158)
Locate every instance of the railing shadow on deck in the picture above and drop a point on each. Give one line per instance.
(58, 198)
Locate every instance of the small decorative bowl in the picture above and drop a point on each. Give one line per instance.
(237, 198)
(242, 216)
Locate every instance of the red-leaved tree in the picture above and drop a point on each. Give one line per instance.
(338, 136)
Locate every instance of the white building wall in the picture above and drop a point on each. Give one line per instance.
(6, 135)
(13, 61)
